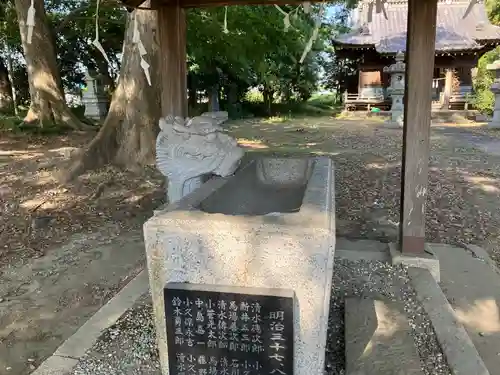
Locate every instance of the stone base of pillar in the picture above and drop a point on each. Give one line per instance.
(494, 124)
(396, 120)
(389, 124)
(96, 109)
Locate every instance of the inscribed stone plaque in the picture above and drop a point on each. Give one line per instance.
(219, 330)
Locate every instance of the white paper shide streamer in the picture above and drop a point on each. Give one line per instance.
(225, 30)
(307, 7)
(96, 42)
(136, 39)
(286, 18)
(30, 21)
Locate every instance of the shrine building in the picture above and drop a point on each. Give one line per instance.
(463, 34)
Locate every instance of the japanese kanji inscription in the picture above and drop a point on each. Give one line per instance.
(218, 330)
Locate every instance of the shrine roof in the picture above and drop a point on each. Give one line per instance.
(457, 29)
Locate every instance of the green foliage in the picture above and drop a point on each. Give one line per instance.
(73, 24)
(325, 101)
(338, 70)
(255, 50)
(484, 98)
(318, 105)
(10, 38)
(493, 10)
(9, 123)
(15, 124)
(254, 97)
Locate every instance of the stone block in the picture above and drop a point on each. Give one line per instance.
(284, 171)
(378, 339)
(428, 260)
(494, 124)
(95, 108)
(481, 117)
(287, 251)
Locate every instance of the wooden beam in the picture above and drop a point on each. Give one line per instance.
(131, 4)
(172, 36)
(218, 3)
(420, 47)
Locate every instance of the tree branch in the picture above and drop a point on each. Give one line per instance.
(73, 13)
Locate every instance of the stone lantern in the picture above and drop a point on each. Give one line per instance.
(397, 88)
(495, 89)
(94, 98)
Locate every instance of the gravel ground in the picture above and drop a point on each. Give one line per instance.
(129, 347)
(126, 348)
(379, 279)
(464, 180)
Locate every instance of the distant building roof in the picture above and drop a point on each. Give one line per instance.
(456, 29)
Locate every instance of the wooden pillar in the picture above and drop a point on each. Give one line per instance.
(416, 131)
(172, 37)
(448, 88)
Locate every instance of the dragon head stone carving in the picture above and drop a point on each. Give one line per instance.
(187, 149)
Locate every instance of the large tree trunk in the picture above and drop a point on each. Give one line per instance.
(6, 102)
(268, 95)
(128, 135)
(46, 92)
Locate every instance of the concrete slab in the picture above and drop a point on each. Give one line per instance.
(84, 338)
(378, 339)
(428, 260)
(67, 355)
(56, 365)
(482, 254)
(473, 288)
(355, 250)
(460, 352)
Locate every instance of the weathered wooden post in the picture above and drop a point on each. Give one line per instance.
(421, 39)
(397, 89)
(495, 88)
(172, 35)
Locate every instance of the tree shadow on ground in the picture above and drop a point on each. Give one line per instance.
(464, 181)
(38, 212)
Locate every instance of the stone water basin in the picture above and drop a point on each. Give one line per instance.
(261, 187)
(267, 228)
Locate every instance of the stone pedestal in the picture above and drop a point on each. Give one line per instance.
(287, 251)
(397, 90)
(495, 88)
(95, 100)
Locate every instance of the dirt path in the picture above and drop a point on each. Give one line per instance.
(464, 176)
(46, 300)
(472, 161)
(38, 213)
(64, 249)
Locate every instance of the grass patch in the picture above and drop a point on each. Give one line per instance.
(9, 123)
(324, 101)
(15, 124)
